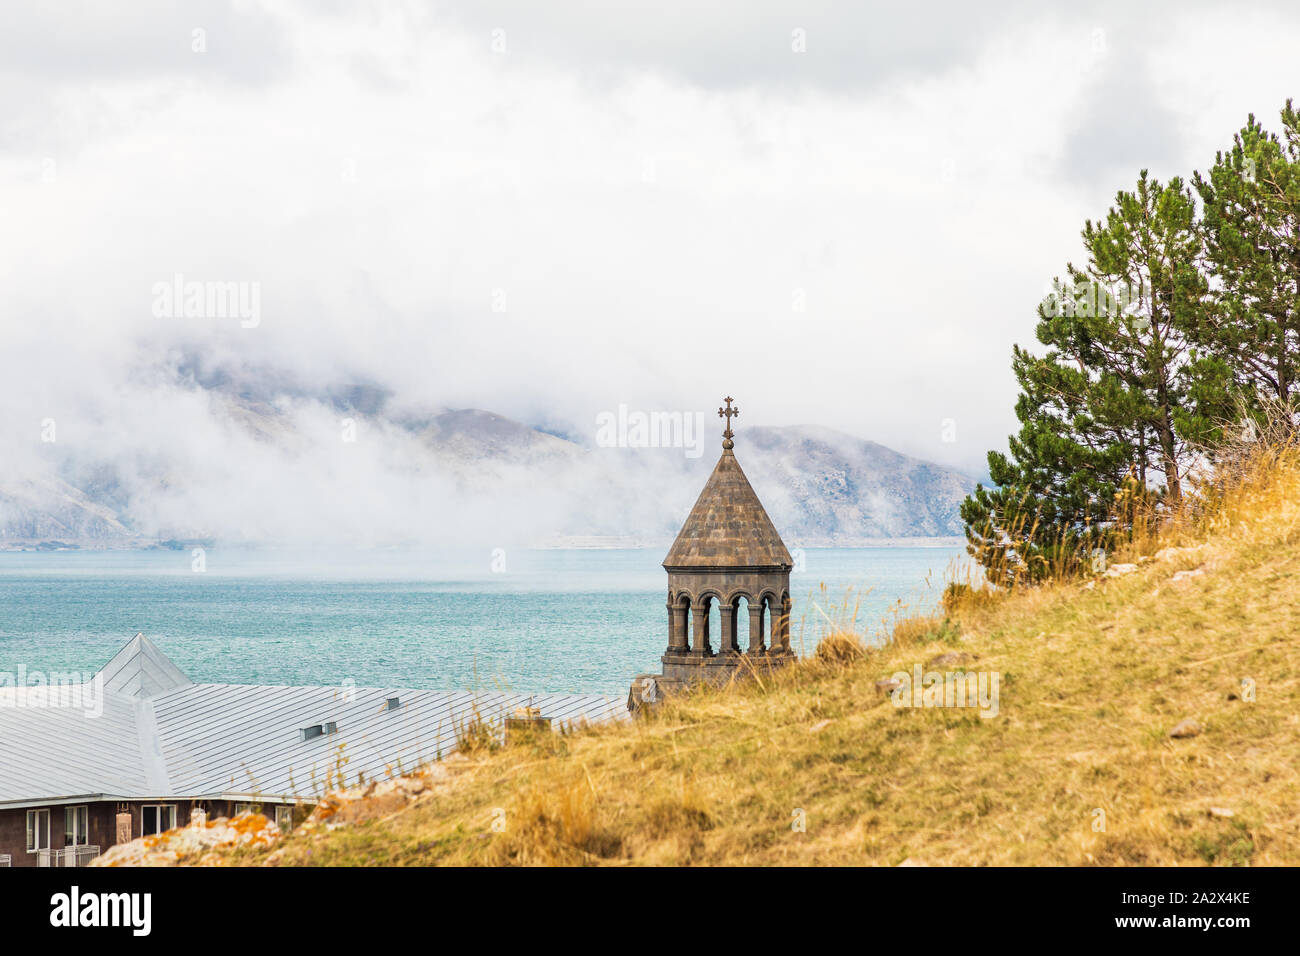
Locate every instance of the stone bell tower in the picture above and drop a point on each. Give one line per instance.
(728, 553)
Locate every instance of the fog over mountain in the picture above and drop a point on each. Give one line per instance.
(547, 211)
(190, 449)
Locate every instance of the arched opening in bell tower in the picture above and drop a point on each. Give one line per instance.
(682, 623)
(771, 615)
(741, 633)
(710, 614)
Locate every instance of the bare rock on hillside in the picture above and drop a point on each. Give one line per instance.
(199, 844)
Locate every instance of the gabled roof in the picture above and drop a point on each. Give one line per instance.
(728, 527)
(148, 732)
(140, 669)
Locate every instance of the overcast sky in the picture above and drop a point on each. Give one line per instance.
(841, 214)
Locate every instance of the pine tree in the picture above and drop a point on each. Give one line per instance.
(1109, 408)
(1251, 198)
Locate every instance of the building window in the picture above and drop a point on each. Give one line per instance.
(76, 826)
(247, 808)
(38, 830)
(284, 818)
(157, 818)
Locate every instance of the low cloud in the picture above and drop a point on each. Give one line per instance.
(646, 206)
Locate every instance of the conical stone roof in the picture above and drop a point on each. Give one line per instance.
(728, 527)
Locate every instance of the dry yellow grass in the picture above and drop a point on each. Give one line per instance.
(816, 766)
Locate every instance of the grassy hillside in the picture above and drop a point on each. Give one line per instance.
(1094, 675)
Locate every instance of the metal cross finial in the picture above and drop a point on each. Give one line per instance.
(729, 414)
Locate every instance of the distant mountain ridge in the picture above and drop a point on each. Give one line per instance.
(410, 475)
(832, 486)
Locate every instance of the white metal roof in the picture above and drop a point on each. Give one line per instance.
(159, 735)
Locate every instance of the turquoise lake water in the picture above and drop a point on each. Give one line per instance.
(549, 621)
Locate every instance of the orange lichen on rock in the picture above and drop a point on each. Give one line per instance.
(209, 842)
(197, 845)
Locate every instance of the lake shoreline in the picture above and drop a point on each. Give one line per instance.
(563, 543)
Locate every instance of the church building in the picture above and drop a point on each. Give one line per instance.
(727, 556)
